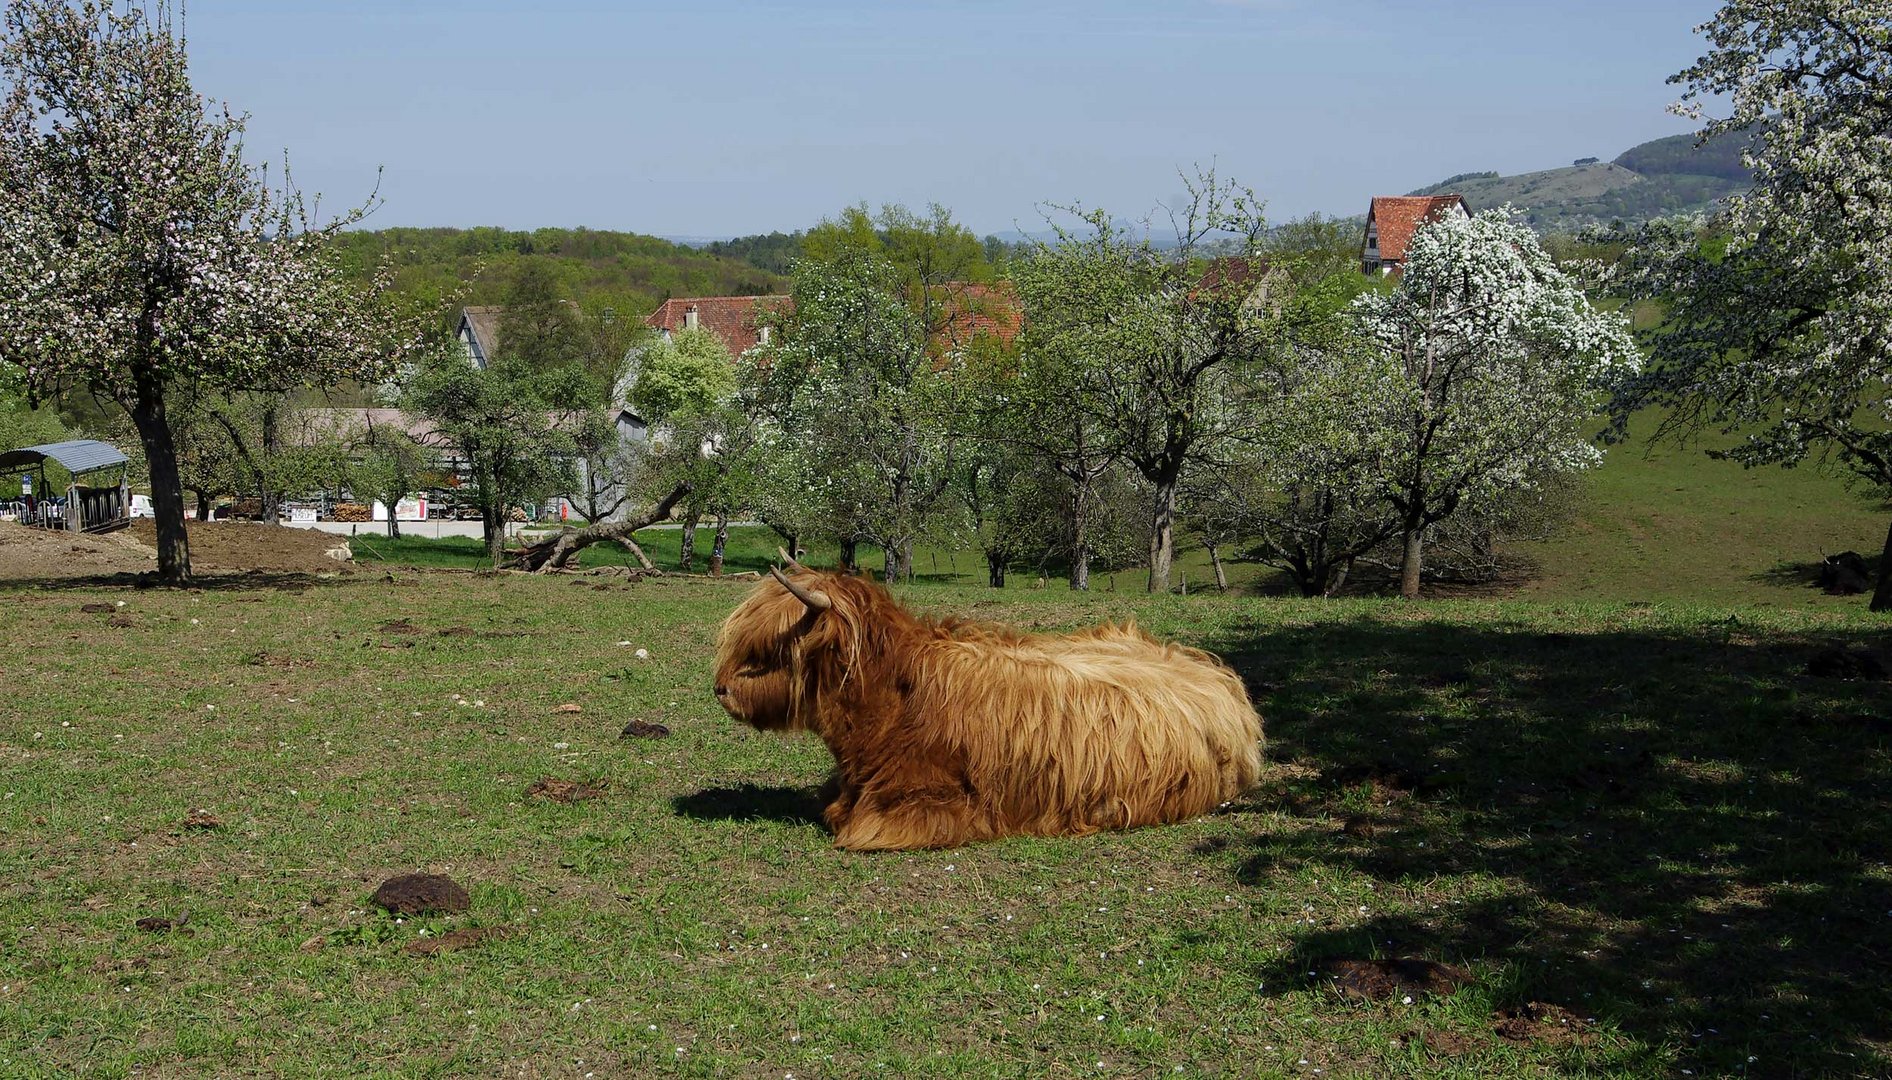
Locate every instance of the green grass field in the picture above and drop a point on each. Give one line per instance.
(1615, 799)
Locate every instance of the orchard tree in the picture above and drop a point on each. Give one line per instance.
(686, 390)
(1154, 336)
(1486, 371)
(864, 372)
(140, 255)
(1054, 409)
(1778, 314)
(386, 466)
(511, 423)
(1300, 482)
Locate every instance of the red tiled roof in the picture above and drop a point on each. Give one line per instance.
(1399, 216)
(977, 310)
(731, 318)
(1237, 272)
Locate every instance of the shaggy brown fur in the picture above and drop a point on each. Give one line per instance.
(949, 732)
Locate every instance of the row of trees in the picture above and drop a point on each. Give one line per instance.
(1246, 382)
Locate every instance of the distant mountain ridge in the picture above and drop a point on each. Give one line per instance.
(1653, 179)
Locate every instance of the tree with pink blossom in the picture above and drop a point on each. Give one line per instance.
(141, 255)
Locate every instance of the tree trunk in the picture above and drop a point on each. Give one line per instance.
(995, 569)
(1409, 566)
(721, 542)
(905, 564)
(1080, 542)
(686, 555)
(630, 545)
(1339, 580)
(267, 495)
(1882, 596)
(167, 490)
(492, 515)
(557, 551)
(203, 504)
(1215, 560)
(394, 525)
(1163, 536)
(849, 552)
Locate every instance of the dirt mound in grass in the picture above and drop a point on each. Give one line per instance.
(252, 545)
(216, 546)
(43, 553)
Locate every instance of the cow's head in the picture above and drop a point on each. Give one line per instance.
(775, 649)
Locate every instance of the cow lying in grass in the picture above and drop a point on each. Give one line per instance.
(949, 732)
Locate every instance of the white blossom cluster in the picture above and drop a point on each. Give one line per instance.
(137, 247)
(1778, 311)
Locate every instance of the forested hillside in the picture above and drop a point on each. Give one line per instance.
(599, 269)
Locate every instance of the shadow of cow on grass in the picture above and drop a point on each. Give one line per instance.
(1675, 827)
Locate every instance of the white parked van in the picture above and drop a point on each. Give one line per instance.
(141, 506)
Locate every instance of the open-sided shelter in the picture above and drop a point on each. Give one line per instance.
(91, 502)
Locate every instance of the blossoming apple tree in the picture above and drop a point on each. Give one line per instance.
(1777, 315)
(1486, 371)
(141, 254)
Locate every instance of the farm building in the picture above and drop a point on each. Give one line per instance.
(1390, 222)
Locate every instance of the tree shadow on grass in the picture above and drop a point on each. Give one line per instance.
(753, 802)
(1676, 828)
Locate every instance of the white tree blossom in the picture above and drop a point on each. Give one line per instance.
(139, 252)
(1488, 369)
(1779, 313)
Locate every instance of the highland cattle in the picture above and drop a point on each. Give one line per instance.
(949, 732)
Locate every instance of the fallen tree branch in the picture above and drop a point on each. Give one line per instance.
(557, 551)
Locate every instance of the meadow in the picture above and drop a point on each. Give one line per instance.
(1643, 839)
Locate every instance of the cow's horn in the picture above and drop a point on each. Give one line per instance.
(790, 560)
(816, 600)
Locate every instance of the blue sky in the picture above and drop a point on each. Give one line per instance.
(725, 117)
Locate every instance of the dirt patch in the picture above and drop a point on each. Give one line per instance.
(42, 553)
(1449, 1043)
(267, 659)
(38, 554)
(459, 631)
(1373, 980)
(201, 821)
(566, 791)
(97, 609)
(639, 729)
(1541, 1023)
(122, 621)
(160, 924)
(456, 939)
(251, 545)
(421, 894)
(398, 626)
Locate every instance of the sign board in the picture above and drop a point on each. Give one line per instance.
(412, 508)
(302, 515)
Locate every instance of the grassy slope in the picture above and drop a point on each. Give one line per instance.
(1670, 523)
(1646, 816)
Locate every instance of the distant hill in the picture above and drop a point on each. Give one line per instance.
(1654, 179)
(627, 272)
